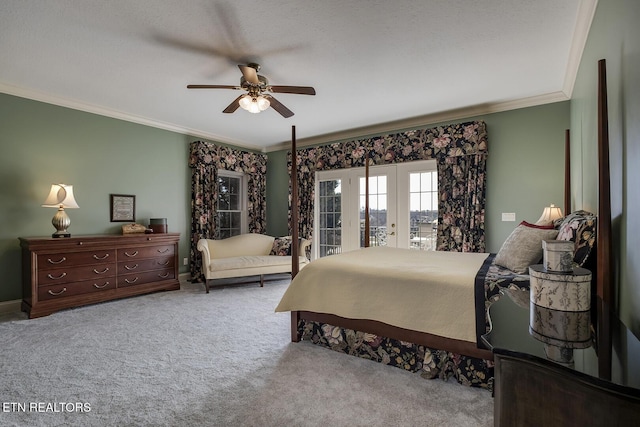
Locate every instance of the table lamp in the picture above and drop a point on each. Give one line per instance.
(549, 214)
(61, 197)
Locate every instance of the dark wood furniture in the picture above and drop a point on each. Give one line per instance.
(532, 390)
(70, 272)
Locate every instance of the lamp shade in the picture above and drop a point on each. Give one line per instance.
(61, 195)
(549, 214)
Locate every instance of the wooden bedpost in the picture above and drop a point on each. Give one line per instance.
(567, 172)
(295, 260)
(366, 202)
(604, 268)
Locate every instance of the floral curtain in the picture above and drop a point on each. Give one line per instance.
(206, 159)
(461, 152)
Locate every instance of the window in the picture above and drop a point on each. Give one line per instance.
(232, 204)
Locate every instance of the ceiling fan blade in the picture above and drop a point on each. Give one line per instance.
(302, 90)
(233, 106)
(279, 107)
(250, 74)
(213, 87)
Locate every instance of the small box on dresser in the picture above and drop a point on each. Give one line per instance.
(558, 255)
(63, 273)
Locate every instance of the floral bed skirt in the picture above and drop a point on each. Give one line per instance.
(430, 363)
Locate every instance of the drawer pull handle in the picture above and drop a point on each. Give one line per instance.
(131, 281)
(131, 255)
(163, 251)
(95, 285)
(100, 258)
(56, 278)
(131, 268)
(164, 263)
(63, 259)
(101, 272)
(164, 276)
(57, 293)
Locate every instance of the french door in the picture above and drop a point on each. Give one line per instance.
(382, 206)
(403, 208)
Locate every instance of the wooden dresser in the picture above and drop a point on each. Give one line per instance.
(69, 272)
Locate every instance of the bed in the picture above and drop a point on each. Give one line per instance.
(435, 329)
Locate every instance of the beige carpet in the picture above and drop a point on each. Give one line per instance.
(186, 358)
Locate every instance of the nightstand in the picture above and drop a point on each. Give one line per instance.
(531, 389)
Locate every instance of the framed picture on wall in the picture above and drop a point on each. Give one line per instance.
(123, 208)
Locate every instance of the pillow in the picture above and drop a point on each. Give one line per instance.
(523, 247)
(579, 227)
(281, 246)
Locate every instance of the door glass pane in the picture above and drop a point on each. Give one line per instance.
(423, 210)
(330, 217)
(377, 210)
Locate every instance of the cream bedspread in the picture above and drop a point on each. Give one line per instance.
(424, 291)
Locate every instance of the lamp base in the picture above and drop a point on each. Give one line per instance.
(57, 235)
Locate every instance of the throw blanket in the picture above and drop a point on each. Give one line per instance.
(425, 291)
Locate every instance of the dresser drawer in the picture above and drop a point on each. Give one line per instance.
(145, 277)
(140, 265)
(145, 252)
(46, 261)
(72, 274)
(75, 288)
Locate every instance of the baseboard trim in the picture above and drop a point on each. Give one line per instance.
(10, 306)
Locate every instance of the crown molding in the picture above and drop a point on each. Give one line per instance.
(586, 12)
(425, 120)
(115, 114)
(360, 132)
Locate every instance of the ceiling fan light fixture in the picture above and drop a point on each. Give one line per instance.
(253, 100)
(254, 104)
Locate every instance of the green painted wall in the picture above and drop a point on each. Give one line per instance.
(525, 169)
(41, 144)
(277, 194)
(615, 37)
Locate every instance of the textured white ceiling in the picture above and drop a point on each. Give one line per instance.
(377, 65)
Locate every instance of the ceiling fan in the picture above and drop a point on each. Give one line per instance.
(257, 99)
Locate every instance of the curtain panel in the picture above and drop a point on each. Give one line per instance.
(460, 151)
(205, 160)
